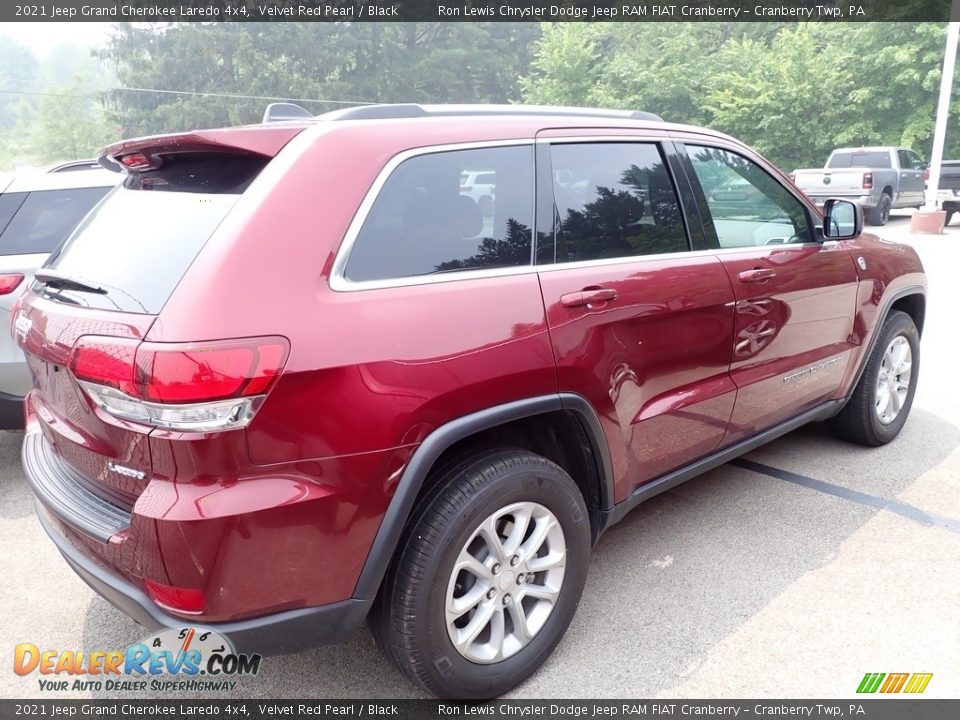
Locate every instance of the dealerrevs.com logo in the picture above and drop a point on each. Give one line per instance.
(177, 659)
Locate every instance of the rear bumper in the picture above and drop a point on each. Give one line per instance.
(112, 548)
(11, 412)
(280, 633)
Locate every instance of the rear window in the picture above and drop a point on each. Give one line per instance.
(139, 242)
(45, 218)
(860, 160)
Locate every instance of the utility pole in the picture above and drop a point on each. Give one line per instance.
(943, 108)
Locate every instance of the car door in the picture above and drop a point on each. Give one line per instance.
(641, 326)
(911, 178)
(795, 295)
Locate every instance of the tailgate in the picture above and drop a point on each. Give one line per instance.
(830, 182)
(112, 455)
(101, 290)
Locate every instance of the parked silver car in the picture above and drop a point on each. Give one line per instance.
(38, 210)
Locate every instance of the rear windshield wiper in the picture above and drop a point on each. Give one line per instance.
(55, 279)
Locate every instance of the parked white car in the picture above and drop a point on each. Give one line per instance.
(38, 210)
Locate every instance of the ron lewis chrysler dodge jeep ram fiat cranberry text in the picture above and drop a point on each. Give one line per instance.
(291, 376)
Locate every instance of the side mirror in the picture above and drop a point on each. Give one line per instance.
(842, 219)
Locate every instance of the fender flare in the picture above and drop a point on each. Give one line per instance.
(885, 307)
(401, 504)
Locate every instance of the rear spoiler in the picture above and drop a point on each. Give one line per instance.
(265, 140)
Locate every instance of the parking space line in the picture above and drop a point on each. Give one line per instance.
(899, 508)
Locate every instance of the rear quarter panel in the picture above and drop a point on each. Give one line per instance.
(368, 370)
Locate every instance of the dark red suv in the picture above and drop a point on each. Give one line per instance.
(295, 375)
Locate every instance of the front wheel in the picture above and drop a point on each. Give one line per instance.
(881, 402)
(488, 577)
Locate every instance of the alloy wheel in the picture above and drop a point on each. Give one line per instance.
(893, 380)
(506, 582)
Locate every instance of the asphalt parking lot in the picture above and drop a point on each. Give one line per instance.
(789, 576)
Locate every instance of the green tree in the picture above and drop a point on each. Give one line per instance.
(794, 91)
(18, 71)
(347, 62)
(70, 124)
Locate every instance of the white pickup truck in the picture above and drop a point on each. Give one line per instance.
(878, 178)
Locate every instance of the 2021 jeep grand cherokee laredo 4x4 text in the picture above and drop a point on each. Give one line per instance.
(323, 384)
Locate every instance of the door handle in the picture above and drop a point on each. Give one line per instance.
(757, 275)
(588, 296)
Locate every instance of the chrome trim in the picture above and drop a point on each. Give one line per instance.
(565, 139)
(340, 283)
(152, 414)
(338, 280)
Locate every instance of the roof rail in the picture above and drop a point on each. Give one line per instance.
(411, 110)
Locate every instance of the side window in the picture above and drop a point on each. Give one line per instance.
(9, 204)
(748, 206)
(613, 200)
(449, 211)
(906, 162)
(46, 218)
(915, 159)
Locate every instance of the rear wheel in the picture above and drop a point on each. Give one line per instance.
(881, 402)
(488, 577)
(881, 213)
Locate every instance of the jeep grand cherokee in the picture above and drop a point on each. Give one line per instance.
(323, 385)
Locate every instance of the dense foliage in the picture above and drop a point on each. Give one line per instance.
(340, 62)
(793, 90)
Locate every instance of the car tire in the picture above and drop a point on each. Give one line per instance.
(881, 213)
(415, 619)
(949, 217)
(877, 410)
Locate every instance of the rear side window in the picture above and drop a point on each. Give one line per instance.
(906, 162)
(45, 218)
(856, 159)
(139, 242)
(9, 204)
(446, 212)
(612, 200)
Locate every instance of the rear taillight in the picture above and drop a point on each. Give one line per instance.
(867, 181)
(926, 174)
(10, 282)
(193, 387)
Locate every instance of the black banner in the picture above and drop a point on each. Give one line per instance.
(476, 11)
(867, 709)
